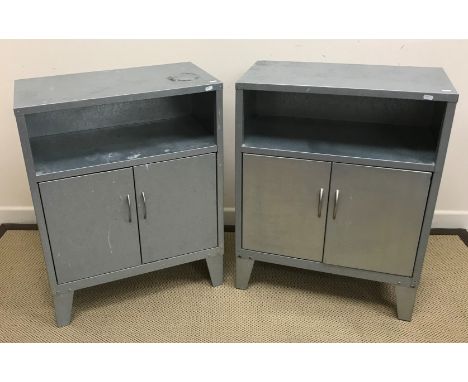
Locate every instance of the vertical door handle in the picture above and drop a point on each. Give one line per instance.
(335, 207)
(320, 202)
(129, 209)
(143, 197)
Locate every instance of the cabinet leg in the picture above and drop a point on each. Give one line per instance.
(216, 269)
(244, 268)
(405, 297)
(63, 302)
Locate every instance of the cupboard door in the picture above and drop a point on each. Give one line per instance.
(281, 208)
(91, 225)
(375, 217)
(177, 206)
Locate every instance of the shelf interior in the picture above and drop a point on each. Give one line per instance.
(344, 139)
(68, 151)
(364, 128)
(77, 138)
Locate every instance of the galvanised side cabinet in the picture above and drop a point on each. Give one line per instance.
(338, 168)
(126, 173)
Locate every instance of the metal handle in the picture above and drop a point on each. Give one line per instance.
(129, 209)
(320, 203)
(144, 204)
(335, 207)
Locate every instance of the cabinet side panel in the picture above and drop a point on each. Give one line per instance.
(378, 217)
(36, 198)
(220, 167)
(281, 206)
(239, 137)
(433, 192)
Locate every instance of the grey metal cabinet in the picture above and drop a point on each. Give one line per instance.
(92, 224)
(374, 138)
(175, 206)
(284, 205)
(375, 217)
(125, 169)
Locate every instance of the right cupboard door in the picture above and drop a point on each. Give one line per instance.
(177, 206)
(374, 218)
(284, 205)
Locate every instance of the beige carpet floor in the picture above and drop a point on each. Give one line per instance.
(282, 304)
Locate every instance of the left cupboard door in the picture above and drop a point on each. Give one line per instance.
(92, 224)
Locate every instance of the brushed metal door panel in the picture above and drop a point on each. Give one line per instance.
(88, 224)
(280, 205)
(181, 206)
(378, 218)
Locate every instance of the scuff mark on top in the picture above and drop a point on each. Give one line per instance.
(183, 77)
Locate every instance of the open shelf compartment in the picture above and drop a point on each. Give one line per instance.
(97, 137)
(361, 130)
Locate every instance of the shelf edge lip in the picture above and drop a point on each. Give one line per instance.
(378, 93)
(385, 163)
(46, 177)
(74, 104)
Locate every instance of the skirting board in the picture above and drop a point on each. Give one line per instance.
(229, 216)
(442, 218)
(450, 219)
(17, 215)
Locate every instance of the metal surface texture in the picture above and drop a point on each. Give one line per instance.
(342, 141)
(86, 124)
(350, 79)
(332, 107)
(322, 267)
(280, 206)
(335, 205)
(320, 203)
(433, 191)
(220, 168)
(239, 139)
(89, 224)
(116, 114)
(180, 204)
(354, 116)
(145, 210)
(216, 269)
(95, 150)
(83, 89)
(406, 298)
(138, 270)
(244, 266)
(377, 222)
(63, 302)
(36, 199)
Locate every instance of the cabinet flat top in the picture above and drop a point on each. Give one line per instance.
(350, 79)
(35, 94)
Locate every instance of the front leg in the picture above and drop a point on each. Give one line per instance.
(63, 302)
(244, 268)
(406, 297)
(216, 269)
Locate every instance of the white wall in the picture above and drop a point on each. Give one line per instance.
(226, 60)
